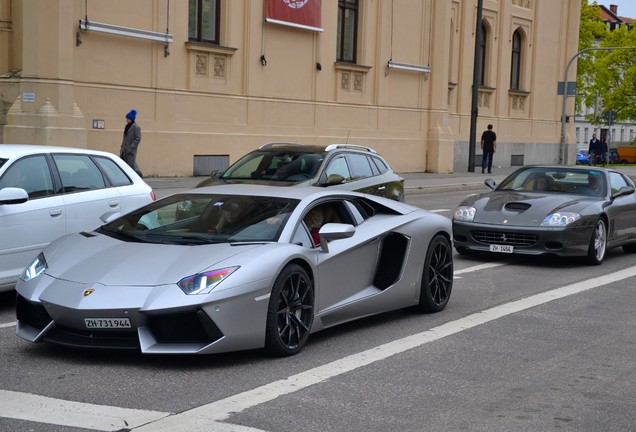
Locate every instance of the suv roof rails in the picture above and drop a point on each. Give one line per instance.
(349, 146)
(282, 144)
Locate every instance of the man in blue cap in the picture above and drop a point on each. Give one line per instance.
(132, 138)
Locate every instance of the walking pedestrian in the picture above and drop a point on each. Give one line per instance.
(130, 143)
(488, 147)
(594, 150)
(603, 151)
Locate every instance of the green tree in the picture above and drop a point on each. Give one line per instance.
(606, 79)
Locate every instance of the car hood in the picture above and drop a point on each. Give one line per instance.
(91, 258)
(523, 209)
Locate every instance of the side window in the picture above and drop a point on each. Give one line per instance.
(360, 167)
(319, 215)
(114, 173)
(617, 182)
(339, 167)
(78, 173)
(347, 31)
(31, 174)
(380, 164)
(203, 21)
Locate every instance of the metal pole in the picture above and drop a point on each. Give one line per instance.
(562, 152)
(476, 79)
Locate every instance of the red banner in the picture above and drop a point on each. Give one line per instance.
(296, 13)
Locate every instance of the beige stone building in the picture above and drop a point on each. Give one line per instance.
(214, 79)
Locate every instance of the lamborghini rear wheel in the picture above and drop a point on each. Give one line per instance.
(290, 313)
(437, 275)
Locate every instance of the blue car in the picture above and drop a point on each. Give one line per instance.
(582, 157)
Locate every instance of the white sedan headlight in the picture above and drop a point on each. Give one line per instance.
(464, 213)
(203, 283)
(35, 269)
(560, 219)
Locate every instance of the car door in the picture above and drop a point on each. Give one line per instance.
(86, 195)
(346, 271)
(623, 209)
(26, 228)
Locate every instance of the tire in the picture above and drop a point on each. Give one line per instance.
(598, 243)
(437, 276)
(290, 312)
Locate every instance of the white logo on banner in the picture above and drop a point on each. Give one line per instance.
(295, 4)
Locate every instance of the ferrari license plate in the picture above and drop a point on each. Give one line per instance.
(107, 323)
(501, 248)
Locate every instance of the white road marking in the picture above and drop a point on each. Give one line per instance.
(478, 268)
(440, 210)
(208, 417)
(7, 325)
(25, 406)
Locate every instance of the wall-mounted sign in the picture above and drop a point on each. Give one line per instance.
(99, 124)
(28, 97)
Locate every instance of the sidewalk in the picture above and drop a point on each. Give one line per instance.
(414, 183)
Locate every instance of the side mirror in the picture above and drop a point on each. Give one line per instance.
(490, 183)
(11, 195)
(333, 179)
(625, 190)
(216, 173)
(334, 231)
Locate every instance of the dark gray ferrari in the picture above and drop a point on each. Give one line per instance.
(559, 210)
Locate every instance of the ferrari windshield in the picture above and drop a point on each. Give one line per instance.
(194, 219)
(585, 182)
(275, 165)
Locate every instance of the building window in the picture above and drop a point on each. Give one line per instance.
(515, 68)
(482, 72)
(347, 30)
(203, 21)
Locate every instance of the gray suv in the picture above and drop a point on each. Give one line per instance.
(346, 166)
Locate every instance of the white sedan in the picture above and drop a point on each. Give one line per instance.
(47, 192)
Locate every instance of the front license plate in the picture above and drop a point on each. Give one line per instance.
(501, 248)
(107, 323)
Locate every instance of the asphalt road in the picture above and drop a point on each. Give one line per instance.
(526, 344)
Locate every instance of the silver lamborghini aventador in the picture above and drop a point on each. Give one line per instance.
(255, 267)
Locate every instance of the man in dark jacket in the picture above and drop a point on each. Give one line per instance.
(594, 150)
(489, 147)
(132, 138)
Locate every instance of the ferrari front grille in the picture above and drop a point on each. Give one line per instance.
(505, 238)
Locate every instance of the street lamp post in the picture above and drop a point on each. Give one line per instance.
(562, 155)
(475, 95)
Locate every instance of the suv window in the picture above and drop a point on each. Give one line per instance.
(338, 166)
(31, 174)
(78, 173)
(115, 174)
(380, 164)
(360, 167)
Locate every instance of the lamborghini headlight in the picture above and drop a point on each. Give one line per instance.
(35, 269)
(560, 219)
(203, 283)
(464, 213)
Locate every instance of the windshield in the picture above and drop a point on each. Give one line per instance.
(192, 219)
(584, 182)
(279, 165)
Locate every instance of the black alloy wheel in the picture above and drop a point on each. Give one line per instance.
(291, 312)
(437, 276)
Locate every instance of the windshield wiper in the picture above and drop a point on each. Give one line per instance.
(122, 235)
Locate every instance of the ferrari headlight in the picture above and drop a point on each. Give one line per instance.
(464, 213)
(203, 283)
(560, 219)
(35, 269)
